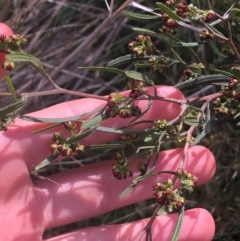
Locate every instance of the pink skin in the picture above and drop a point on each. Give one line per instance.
(4, 29)
(28, 208)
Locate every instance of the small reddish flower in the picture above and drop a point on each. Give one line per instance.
(182, 10)
(69, 125)
(125, 112)
(136, 111)
(206, 36)
(209, 16)
(121, 171)
(8, 65)
(232, 83)
(171, 23)
(79, 148)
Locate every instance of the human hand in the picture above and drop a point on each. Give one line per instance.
(28, 208)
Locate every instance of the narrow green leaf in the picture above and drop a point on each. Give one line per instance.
(104, 146)
(139, 76)
(236, 12)
(128, 189)
(9, 110)
(104, 69)
(219, 71)
(209, 79)
(166, 209)
(121, 60)
(80, 136)
(129, 58)
(135, 183)
(178, 226)
(94, 121)
(194, 69)
(138, 16)
(191, 121)
(23, 57)
(45, 163)
(170, 13)
(183, 44)
(11, 87)
(196, 3)
(140, 65)
(60, 120)
(46, 128)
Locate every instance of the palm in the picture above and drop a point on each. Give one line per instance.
(28, 208)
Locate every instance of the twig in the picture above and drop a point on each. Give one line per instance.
(147, 229)
(231, 41)
(189, 135)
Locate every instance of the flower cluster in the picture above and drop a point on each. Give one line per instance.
(158, 64)
(171, 130)
(60, 147)
(128, 111)
(187, 180)
(4, 123)
(229, 103)
(193, 71)
(233, 89)
(121, 168)
(136, 87)
(206, 36)
(11, 43)
(116, 107)
(183, 10)
(169, 25)
(167, 196)
(142, 45)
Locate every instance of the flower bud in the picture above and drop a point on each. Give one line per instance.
(209, 16)
(8, 65)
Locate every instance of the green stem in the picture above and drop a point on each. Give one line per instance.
(178, 57)
(178, 225)
(45, 74)
(11, 87)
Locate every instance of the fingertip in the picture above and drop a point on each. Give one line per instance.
(197, 225)
(202, 165)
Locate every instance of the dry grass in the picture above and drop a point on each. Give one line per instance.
(56, 31)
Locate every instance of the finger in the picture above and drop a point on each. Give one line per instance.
(92, 190)
(36, 146)
(198, 225)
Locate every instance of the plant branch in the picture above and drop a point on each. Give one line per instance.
(231, 41)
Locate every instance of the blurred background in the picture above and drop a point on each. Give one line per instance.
(59, 34)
